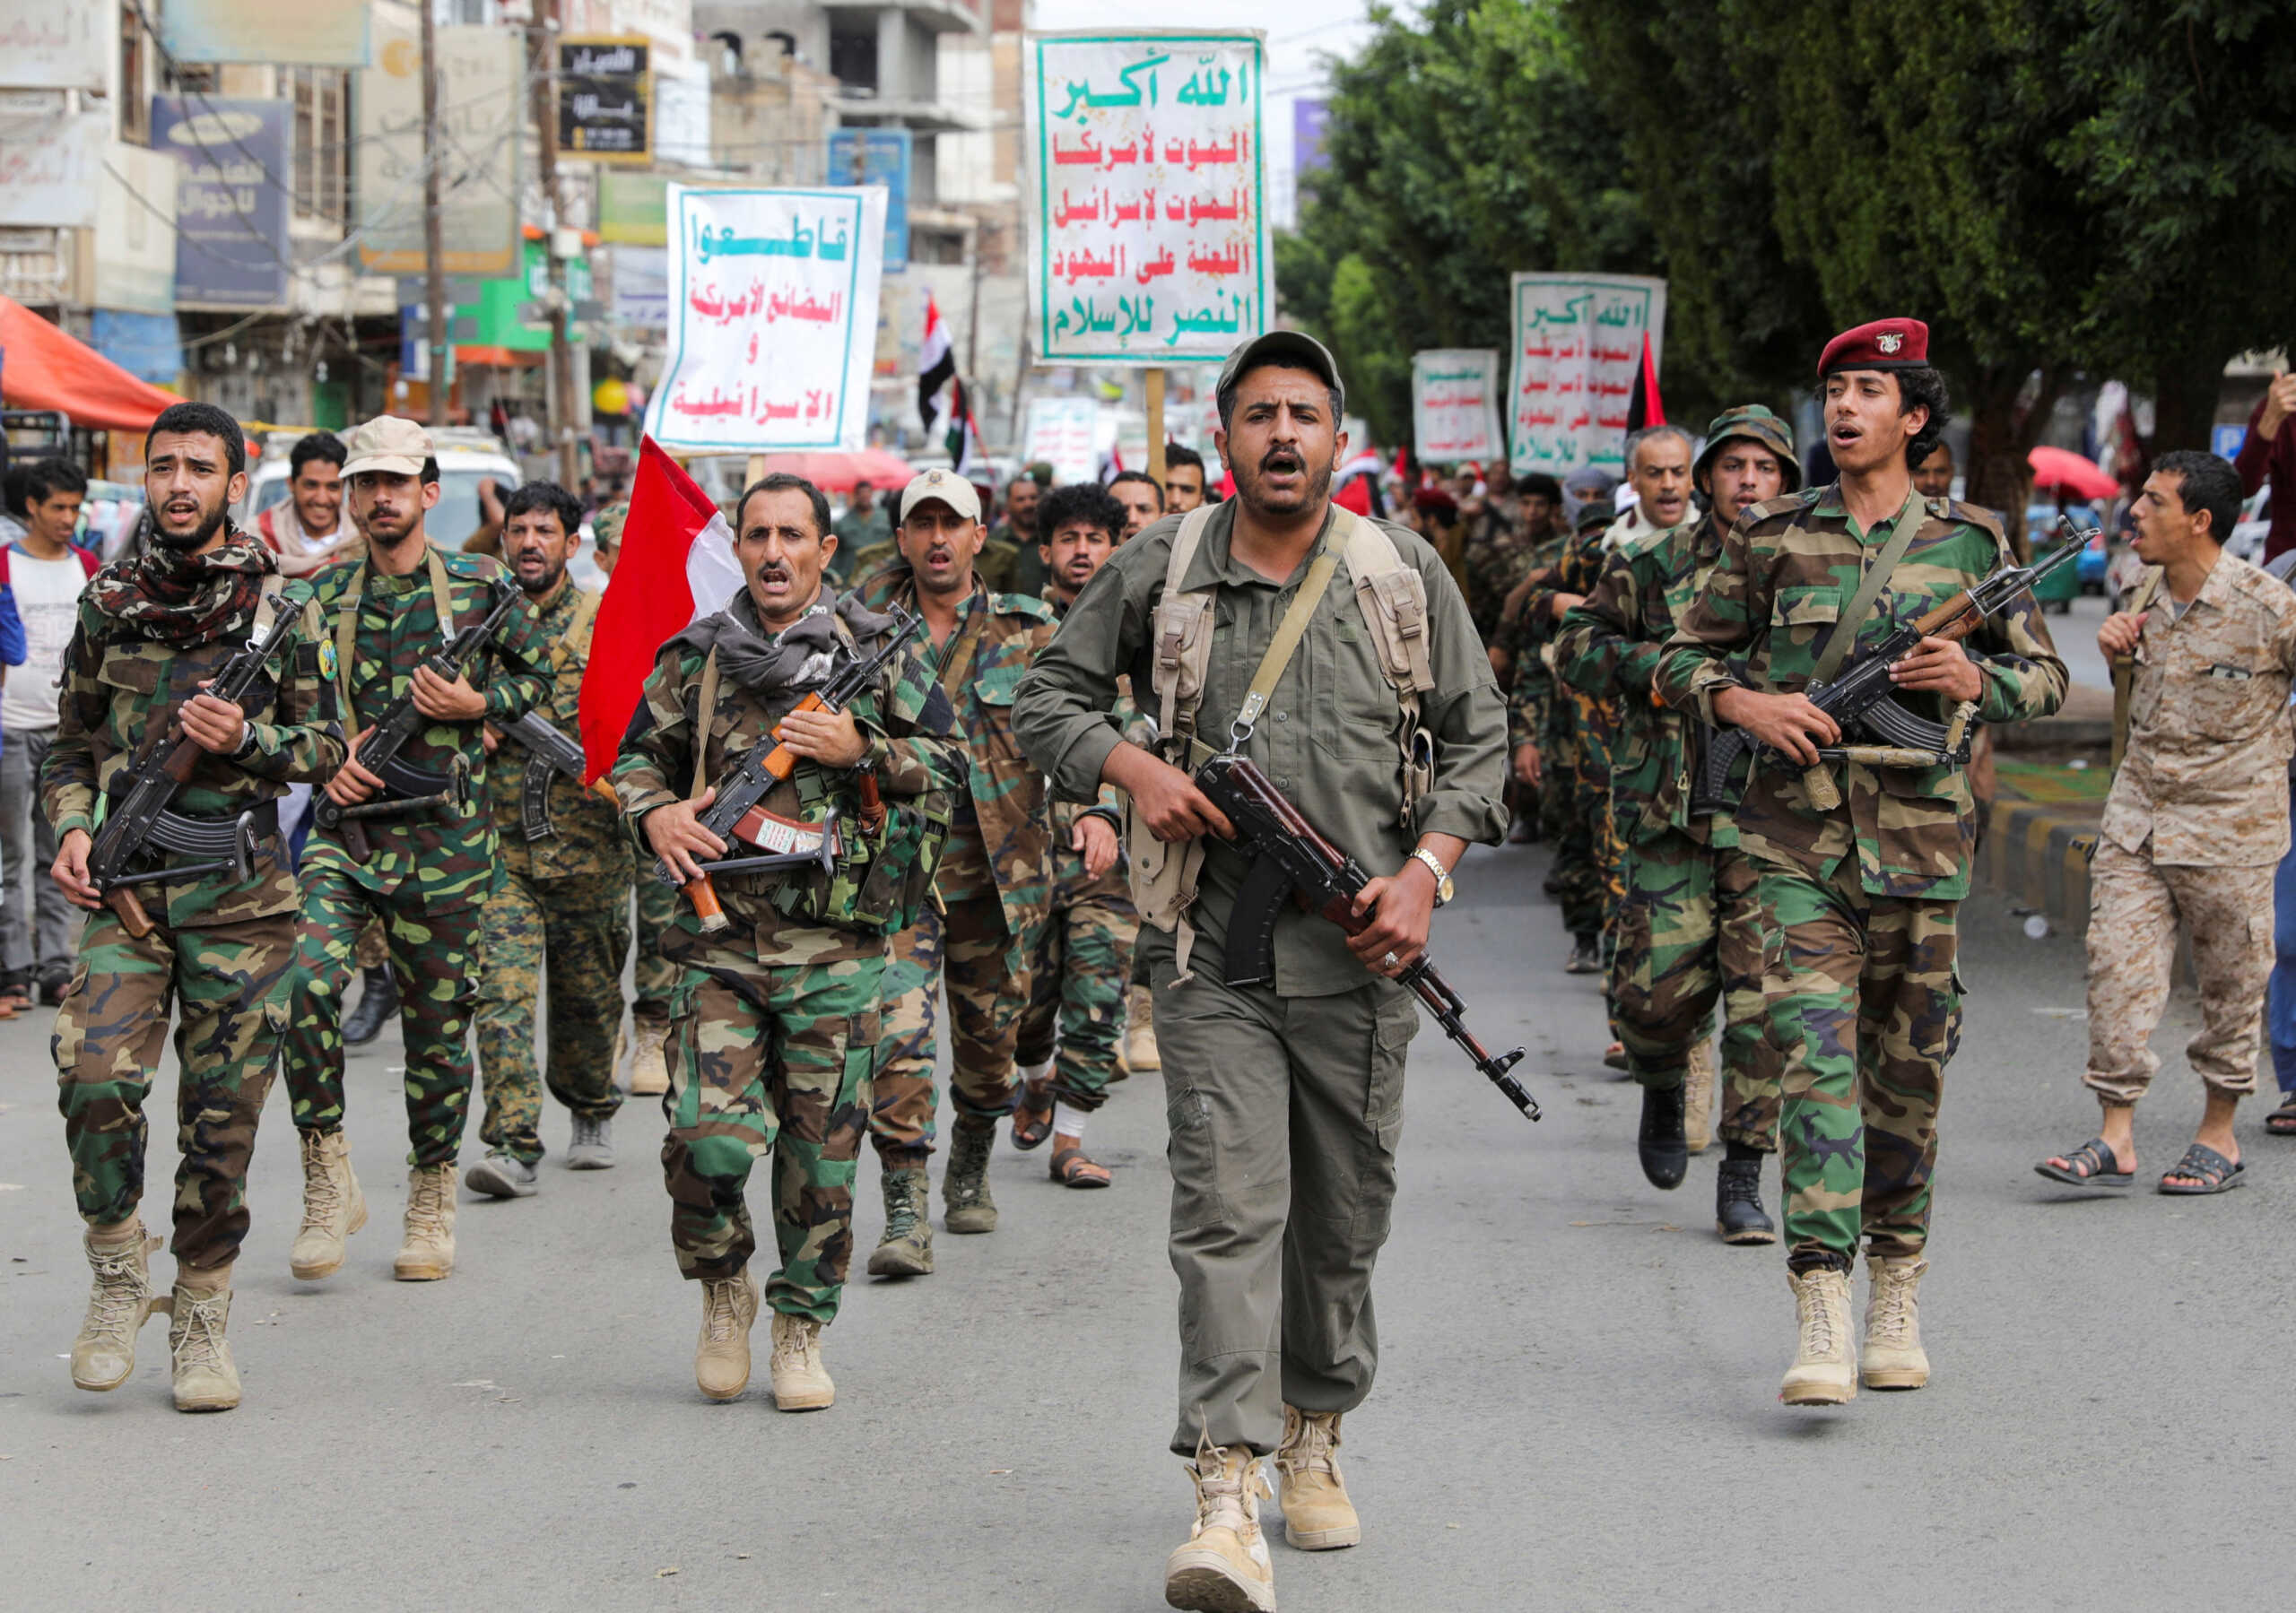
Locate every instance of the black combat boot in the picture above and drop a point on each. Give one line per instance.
(1586, 956)
(1738, 1214)
(1664, 1150)
(378, 1002)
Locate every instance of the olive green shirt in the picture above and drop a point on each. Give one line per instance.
(1327, 738)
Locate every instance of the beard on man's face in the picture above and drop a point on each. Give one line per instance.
(211, 520)
(1251, 482)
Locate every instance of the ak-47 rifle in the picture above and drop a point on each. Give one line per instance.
(413, 789)
(138, 820)
(1291, 862)
(737, 816)
(1860, 698)
(549, 755)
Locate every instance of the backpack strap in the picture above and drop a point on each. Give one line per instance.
(1182, 626)
(1392, 598)
(705, 711)
(576, 639)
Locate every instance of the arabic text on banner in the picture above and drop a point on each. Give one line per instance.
(1147, 228)
(1578, 341)
(1064, 432)
(773, 320)
(1454, 405)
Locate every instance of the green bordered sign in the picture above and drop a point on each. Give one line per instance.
(1148, 239)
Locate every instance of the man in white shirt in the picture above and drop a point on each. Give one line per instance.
(46, 571)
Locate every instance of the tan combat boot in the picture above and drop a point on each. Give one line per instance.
(650, 1068)
(1893, 1358)
(207, 1379)
(1224, 1568)
(800, 1381)
(1317, 1515)
(1140, 1029)
(721, 1357)
(428, 1252)
(1697, 1096)
(964, 1186)
(906, 1250)
(1824, 1371)
(332, 1206)
(119, 1302)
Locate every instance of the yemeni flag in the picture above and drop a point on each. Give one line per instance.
(676, 567)
(941, 402)
(1645, 407)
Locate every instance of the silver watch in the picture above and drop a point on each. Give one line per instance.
(1434, 863)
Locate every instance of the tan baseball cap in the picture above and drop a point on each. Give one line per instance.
(948, 486)
(387, 443)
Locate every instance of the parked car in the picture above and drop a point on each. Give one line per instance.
(2248, 533)
(466, 459)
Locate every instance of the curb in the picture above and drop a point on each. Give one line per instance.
(2038, 854)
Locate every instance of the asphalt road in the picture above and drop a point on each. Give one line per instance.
(1576, 1408)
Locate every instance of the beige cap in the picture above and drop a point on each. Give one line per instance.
(387, 443)
(948, 486)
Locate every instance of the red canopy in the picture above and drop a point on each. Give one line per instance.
(2061, 467)
(837, 472)
(46, 368)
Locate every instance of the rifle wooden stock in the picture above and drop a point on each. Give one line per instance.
(129, 911)
(703, 895)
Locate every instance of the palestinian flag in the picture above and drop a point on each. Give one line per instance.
(941, 402)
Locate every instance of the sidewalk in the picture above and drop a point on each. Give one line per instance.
(2050, 779)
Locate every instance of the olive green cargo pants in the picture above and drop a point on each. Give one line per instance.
(1284, 1113)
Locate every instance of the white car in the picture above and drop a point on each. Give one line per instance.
(2248, 533)
(462, 466)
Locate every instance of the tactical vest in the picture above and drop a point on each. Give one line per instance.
(1392, 598)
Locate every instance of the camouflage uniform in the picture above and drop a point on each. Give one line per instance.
(218, 947)
(997, 565)
(656, 976)
(1497, 557)
(429, 871)
(1083, 957)
(2198, 815)
(1858, 904)
(1690, 933)
(564, 898)
(991, 891)
(1576, 754)
(777, 1018)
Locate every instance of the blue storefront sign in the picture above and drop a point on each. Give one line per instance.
(147, 346)
(231, 207)
(877, 157)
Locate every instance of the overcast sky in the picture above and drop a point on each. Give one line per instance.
(1307, 29)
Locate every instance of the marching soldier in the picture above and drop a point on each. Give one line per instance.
(989, 893)
(564, 896)
(430, 867)
(777, 1014)
(1081, 968)
(1691, 932)
(1285, 1099)
(152, 631)
(1862, 867)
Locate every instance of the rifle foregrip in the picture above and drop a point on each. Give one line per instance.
(703, 895)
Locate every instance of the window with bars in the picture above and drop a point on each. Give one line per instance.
(322, 142)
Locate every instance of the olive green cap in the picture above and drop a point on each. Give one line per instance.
(1757, 424)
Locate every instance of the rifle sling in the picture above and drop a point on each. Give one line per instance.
(346, 621)
(1285, 643)
(1844, 636)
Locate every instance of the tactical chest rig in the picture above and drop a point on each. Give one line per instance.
(1392, 599)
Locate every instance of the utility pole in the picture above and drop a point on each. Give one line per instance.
(541, 52)
(434, 256)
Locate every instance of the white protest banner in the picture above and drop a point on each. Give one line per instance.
(1577, 342)
(49, 166)
(1147, 223)
(1455, 405)
(56, 44)
(773, 320)
(1064, 432)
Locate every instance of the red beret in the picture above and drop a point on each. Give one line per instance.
(1884, 345)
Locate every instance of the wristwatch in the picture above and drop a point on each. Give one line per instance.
(1443, 891)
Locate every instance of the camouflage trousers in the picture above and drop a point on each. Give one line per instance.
(373, 951)
(657, 976)
(579, 924)
(225, 982)
(1589, 856)
(1082, 965)
(1866, 1010)
(434, 956)
(1688, 936)
(987, 968)
(769, 1060)
(2136, 909)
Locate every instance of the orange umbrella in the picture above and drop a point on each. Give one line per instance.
(46, 368)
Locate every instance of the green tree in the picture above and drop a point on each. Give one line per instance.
(1462, 147)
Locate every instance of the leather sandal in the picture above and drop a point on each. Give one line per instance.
(2091, 1165)
(2282, 1121)
(1072, 1168)
(2209, 1172)
(1032, 1115)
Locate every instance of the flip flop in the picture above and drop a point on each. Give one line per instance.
(1071, 1169)
(2282, 1121)
(2216, 1174)
(2095, 1161)
(1032, 1115)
